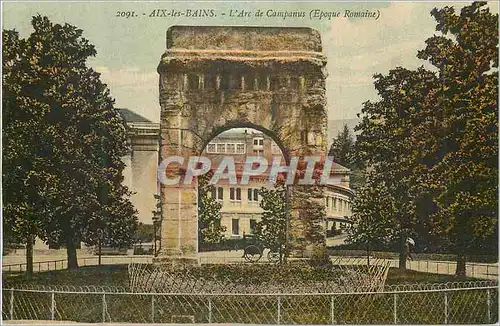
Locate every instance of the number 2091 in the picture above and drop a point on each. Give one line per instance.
(125, 14)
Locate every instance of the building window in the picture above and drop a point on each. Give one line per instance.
(334, 202)
(211, 148)
(327, 201)
(230, 148)
(221, 148)
(220, 192)
(258, 152)
(233, 192)
(253, 224)
(258, 142)
(253, 195)
(213, 193)
(240, 148)
(236, 226)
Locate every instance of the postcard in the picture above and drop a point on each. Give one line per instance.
(250, 162)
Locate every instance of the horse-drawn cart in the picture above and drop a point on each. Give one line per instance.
(254, 250)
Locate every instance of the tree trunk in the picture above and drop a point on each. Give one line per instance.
(71, 252)
(460, 271)
(29, 256)
(403, 254)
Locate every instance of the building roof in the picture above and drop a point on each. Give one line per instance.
(130, 116)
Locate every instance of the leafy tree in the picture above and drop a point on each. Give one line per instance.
(464, 156)
(374, 226)
(431, 139)
(386, 148)
(70, 141)
(144, 233)
(271, 229)
(23, 203)
(342, 148)
(210, 229)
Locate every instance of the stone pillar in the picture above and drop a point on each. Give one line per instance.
(179, 225)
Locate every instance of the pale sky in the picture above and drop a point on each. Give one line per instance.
(129, 50)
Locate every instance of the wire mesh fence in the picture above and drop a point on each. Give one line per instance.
(296, 277)
(433, 306)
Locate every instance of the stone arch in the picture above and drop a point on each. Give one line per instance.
(244, 124)
(195, 108)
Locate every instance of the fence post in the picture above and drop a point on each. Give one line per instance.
(104, 307)
(332, 309)
(489, 306)
(448, 268)
(445, 307)
(52, 306)
(209, 310)
(487, 274)
(427, 267)
(395, 308)
(279, 310)
(11, 307)
(152, 308)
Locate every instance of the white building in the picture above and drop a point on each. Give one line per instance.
(241, 203)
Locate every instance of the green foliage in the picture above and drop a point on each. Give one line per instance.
(271, 229)
(144, 233)
(463, 163)
(63, 142)
(373, 223)
(343, 151)
(342, 148)
(210, 229)
(430, 143)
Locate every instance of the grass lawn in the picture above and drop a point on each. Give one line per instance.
(108, 275)
(397, 276)
(117, 275)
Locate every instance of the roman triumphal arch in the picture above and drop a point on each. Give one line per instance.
(212, 78)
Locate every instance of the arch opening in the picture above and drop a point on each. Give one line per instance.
(230, 216)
